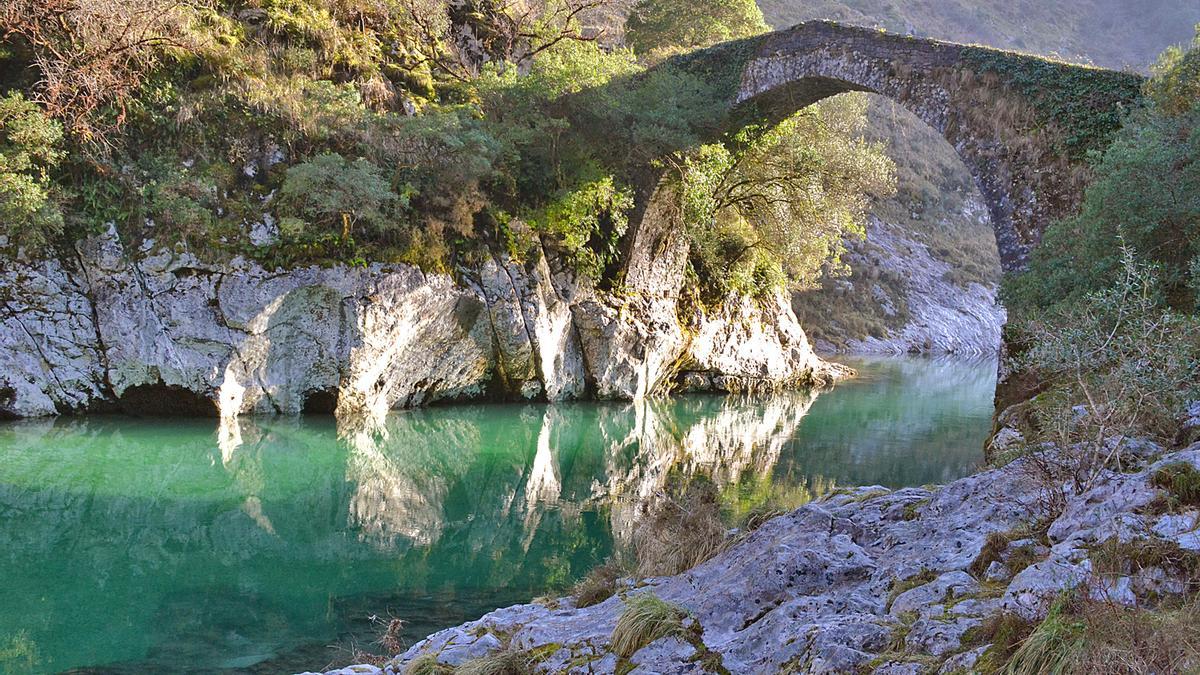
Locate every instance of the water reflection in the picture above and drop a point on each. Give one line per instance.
(166, 545)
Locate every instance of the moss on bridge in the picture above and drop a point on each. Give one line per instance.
(1086, 104)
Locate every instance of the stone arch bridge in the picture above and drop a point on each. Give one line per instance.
(1023, 125)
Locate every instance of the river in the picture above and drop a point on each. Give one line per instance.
(267, 545)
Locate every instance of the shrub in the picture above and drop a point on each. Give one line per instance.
(1122, 367)
(589, 222)
(646, 618)
(599, 585)
(680, 530)
(336, 195)
(29, 150)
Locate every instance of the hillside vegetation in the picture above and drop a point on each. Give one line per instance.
(432, 132)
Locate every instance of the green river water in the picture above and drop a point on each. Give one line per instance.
(266, 545)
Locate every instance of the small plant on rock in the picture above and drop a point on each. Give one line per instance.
(646, 618)
(503, 662)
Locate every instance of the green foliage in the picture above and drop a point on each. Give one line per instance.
(30, 148)
(646, 618)
(1147, 192)
(1175, 87)
(776, 204)
(589, 222)
(1129, 363)
(671, 25)
(331, 193)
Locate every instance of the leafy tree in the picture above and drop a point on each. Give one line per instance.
(1175, 87)
(683, 25)
(337, 195)
(29, 150)
(775, 205)
(1146, 192)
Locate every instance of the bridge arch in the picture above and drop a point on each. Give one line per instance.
(1011, 118)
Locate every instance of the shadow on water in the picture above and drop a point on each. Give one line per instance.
(162, 545)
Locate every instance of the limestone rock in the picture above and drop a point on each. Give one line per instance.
(158, 330)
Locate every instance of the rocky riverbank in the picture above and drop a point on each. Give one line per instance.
(152, 329)
(872, 580)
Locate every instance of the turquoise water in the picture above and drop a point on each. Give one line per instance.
(131, 545)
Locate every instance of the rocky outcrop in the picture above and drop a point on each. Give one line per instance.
(159, 330)
(913, 293)
(866, 581)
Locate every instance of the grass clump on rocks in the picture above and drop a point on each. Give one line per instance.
(428, 664)
(1081, 635)
(599, 585)
(1181, 481)
(646, 618)
(681, 529)
(503, 662)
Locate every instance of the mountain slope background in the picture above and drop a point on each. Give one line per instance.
(926, 278)
(1109, 33)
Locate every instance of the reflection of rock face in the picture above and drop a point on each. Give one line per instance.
(401, 479)
(403, 469)
(724, 444)
(164, 332)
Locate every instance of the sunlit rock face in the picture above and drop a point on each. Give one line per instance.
(751, 346)
(943, 317)
(163, 332)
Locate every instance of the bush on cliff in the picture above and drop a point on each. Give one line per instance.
(30, 149)
(1120, 366)
(1146, 192)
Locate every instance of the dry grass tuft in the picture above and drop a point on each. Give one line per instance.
(599, 585)
(1087, 636)
(680, 530)
(646, 618)
(504, 662)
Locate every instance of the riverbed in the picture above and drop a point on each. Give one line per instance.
(275, 545)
